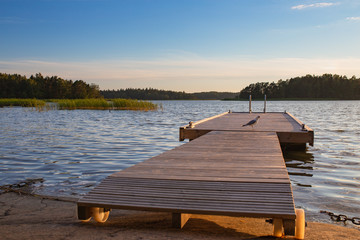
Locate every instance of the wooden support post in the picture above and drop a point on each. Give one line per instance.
(265, 103)
(83, 212)
(278, 227)
(179, 219)
(289, 227)
(249, 103)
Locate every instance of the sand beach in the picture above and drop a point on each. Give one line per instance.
(39, 217)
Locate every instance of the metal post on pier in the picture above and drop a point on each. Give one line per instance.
(249, 103)
(265, 103)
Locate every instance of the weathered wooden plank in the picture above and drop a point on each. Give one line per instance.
(272, 192)
(197, 185)
(238, 179)
(207, 175)
(192, 198)
(199, 209)
(210, 171)
(185, 206)
(254, 214)
(191, 202)
(257, 165)
(246, 192)
(182, 206)
(219, 196)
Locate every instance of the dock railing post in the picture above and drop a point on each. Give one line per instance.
(249, 103)
(265, 103)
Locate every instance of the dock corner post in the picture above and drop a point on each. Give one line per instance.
(289, 227)
(250, 103)
(265, 103)
(181, 134)
(83, 212)
(179, 219)
(311, 133)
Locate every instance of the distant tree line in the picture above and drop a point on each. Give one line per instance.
(214, 95)
(146, 94)
(38, 86)
(327, 86)
(155, 94)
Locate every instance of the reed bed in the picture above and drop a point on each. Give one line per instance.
(131, 104)
(93, 103)
(102, 104)
(10, 102)
(71, 104)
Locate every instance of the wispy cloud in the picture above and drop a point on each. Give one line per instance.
(188, 73)
(314, 5)
(355, 19)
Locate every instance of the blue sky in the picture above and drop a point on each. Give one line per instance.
(187, 45)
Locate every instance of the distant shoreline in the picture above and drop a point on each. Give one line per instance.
(292, 99)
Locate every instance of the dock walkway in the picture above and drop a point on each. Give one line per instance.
(221, 172)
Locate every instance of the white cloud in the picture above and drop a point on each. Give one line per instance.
(353, 18)
(314, 5)
(188, 73)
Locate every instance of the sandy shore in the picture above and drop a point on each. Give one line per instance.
(29, 217)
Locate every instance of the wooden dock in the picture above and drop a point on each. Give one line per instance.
(289, 129)
(225, 171)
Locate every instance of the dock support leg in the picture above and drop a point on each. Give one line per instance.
(179, 219)
(289, 227)
(300, 224)
(278, 227)
(84, 213)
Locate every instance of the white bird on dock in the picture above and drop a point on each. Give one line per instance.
(252, 122)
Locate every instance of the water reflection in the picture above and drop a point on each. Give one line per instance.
(299, 163)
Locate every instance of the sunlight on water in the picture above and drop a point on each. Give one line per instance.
(74, 150)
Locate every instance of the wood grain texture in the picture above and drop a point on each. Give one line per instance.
(219, 173)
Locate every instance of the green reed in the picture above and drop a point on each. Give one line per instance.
(10, 102)
(102, 104)
(70, 104)
(132, 104)
(93, 103)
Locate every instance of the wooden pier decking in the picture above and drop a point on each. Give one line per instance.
(224, 170)
(288, 128)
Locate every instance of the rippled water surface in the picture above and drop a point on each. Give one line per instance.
(74, 150)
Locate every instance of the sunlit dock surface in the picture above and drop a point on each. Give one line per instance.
(289, 129)
(226, 169)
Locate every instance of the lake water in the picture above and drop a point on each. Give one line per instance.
(72, 151)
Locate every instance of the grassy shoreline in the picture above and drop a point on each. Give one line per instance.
(11, 102)
(72, 104)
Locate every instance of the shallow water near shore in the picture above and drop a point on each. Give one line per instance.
(73, 150)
